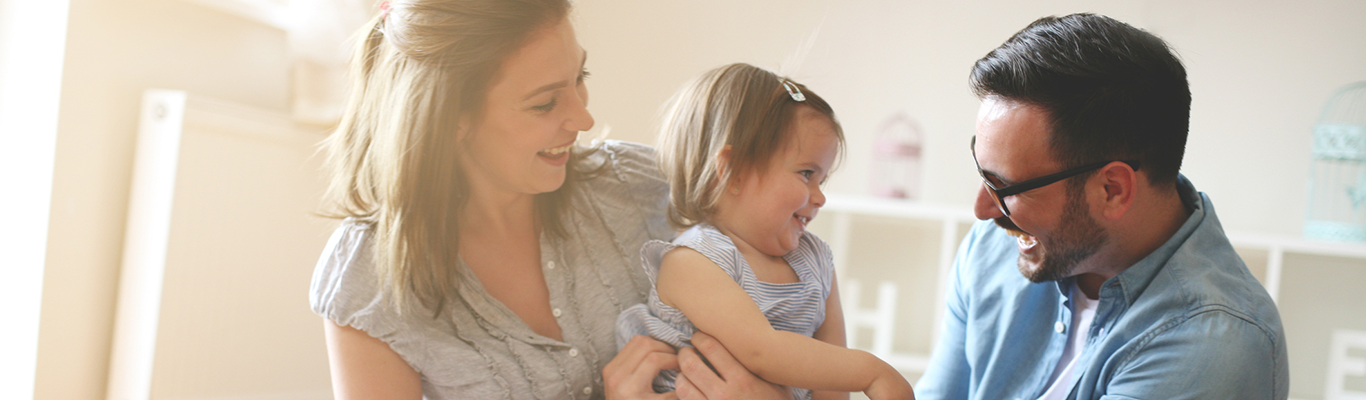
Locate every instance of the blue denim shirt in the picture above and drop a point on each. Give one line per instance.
(1186, 322)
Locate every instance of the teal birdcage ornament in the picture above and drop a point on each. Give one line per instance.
(1337, 174)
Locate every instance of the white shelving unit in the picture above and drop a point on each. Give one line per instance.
(1278, 246)
(881, 318)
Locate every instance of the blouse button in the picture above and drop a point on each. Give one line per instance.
(550, 265)
(588, 390)
(1058, 326)
(573, 352)
(556, 312)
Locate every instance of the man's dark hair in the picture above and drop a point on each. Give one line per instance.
(1111, 91)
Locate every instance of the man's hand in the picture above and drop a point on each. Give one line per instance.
(630, 375)
(697, 381)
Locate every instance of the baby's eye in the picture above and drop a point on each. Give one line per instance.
(545, 108)
(583, 75)
(807, 173)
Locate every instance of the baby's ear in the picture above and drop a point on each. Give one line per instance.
(723, 160)
(729, 180)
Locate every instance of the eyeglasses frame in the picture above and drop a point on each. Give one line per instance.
(999, 194)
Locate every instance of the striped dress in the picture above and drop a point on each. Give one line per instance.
(794, 307)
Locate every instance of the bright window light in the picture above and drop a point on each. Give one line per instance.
(32, 44)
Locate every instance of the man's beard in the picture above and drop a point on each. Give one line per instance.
(1078, 237)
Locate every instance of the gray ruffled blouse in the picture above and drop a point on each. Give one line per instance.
(477, 348)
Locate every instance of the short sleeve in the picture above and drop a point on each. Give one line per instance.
(632, 185)
(701, 238)
(651, 255)
(345, 288)
(347, 291)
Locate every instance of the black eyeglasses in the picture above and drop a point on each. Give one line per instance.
(999, 193)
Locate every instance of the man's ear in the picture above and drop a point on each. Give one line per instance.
(1120, 183)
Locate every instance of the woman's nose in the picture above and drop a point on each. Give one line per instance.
(579, 118)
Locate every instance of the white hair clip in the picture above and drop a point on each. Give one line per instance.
(794, 91)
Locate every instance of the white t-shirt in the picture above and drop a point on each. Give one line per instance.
(1083, 311)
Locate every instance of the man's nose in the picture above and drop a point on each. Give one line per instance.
(986, 206)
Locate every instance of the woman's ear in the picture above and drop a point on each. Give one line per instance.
(462, 130)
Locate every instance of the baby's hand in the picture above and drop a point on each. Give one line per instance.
(890, 385)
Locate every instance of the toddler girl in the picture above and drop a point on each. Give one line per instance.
(745, 152)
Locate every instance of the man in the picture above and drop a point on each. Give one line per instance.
(1098, 271)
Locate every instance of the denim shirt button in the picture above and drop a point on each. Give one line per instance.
(1058, 326)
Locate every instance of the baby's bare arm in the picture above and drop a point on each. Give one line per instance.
(832, 331)
(717, 305)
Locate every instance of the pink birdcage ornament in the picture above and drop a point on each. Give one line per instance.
(896, 162)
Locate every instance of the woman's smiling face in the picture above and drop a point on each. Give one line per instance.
(533, 112)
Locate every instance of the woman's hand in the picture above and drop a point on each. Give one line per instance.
(631, 374)
(697, 381)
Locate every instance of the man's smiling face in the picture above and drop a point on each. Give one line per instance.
(1053, 225)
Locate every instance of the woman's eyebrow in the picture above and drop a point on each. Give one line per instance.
(556, 85)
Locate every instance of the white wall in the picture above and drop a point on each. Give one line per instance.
(1259, 71)
(115, 50)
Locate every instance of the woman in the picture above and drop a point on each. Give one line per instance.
(482, 255)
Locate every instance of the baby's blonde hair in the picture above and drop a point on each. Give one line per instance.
(740, 105)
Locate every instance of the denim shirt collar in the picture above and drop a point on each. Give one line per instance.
(1134, 280)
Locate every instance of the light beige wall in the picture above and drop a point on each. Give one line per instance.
(1260, 71)
(115, 49)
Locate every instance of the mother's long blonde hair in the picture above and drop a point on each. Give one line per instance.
(420, 74)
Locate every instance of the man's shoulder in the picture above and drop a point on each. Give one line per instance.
(1212, 350)
(1197, 324)
(1202, 302)
(1206, 274)
(1203, 275)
